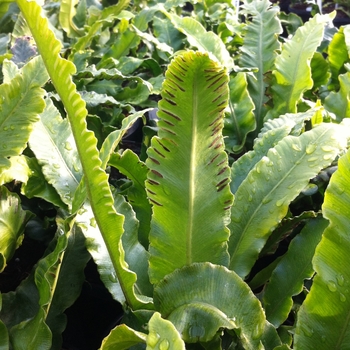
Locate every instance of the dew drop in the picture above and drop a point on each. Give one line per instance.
(236, 219)
(327, 148)
(12, 127)
(251, 179)
(68, 146)
(280, 202)
(340, 280)
(76, 167)
(339, 190)
(246, 208)
(266, 200)
(250, 198)
(310, 148)
(6, 128)
(342, 298)
(307, 331)
(258, 170)
(331, 286)
(296, 147)
(291, 185)
(328, 156)
(4, 146)
(164, 345)
(56, 166)
(152, 339)
(113, 277)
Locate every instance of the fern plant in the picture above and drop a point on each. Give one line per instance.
(181, 248)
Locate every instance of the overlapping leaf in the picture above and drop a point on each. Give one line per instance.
(263, 198)
(21, 103)
(96, 180)
(296, 264)
(188, 152)
(202, 298)
(292, 71)
(259, 50)
(324, 318)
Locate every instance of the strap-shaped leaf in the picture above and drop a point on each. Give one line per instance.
(12, 223)
(204, 41)
(288, 276)
(163, 335)
(21, 103)
(339, 102)
(292, 67)
(240, 121)
(53, 144)
(202, 298)
(96, 180)
(189, 175)
(259, 49)
(130, 165)
(324, 318)
(67, 12)
(263, 198)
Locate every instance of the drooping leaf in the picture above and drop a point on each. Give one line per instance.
(122, 337)
(240, 121)
(201, 298)
(96, 180)
(288, 276)
(292, 73)
(20, 105)
(12, 223)
(338, 103)
(263, 198)
(259, 50)
(67, 12)
(188, 152)
(58, 278)
(163, 335)
(130, 165)
(204, 41)
(135, 255)
(323, 319)
(54, 146)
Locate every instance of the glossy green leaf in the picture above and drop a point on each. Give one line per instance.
(67, 12)
(338, 103)
(240, 120)
(20, 105)
(130, 165)
(263, 198)
(53, 144)
(96, 180)
(188, 152)
(122, 337)
(163, 335)
(292, 73)
(274, 130)
(12, 223)
(259, 50)
(204, 41)
(135, 255)
(338, 55)
(288, 276)
(201, 298)
(323, 319)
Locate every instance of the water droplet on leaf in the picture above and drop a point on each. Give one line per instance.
(266, 200)
(310, 148)
(340, 280)
(331, 286)
(296, 147)
(307, 331)
(164, 345)
(56, 166)
(68, 146)
(113, 277)
(342, 298)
